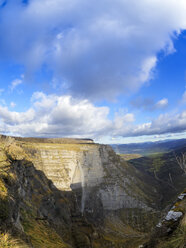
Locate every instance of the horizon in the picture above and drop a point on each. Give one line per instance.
(94, 141)
(114, 72)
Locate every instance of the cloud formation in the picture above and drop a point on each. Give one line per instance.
(55, 116)
(164, 124)
(64, 116)
(16, 82)
(97, 50)
(161, 103)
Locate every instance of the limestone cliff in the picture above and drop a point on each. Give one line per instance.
(88, 167)
(82, 193)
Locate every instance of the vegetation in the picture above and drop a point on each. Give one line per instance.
(130, 156)
(43, 214)
(166, 175)
(7, 241)
(150, 147)
(181, 160)
(178, 239)
(40, 233)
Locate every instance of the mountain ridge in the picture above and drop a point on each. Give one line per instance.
(146, 148)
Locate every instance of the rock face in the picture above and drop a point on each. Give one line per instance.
(93, 169)
(82, 193)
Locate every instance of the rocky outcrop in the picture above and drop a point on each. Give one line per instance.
(101, 179)
(170, 232)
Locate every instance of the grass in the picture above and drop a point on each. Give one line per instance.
(40, 233)
(178, 239)
(120, 234)
(7, 241)
(130, 156)
(4, 205)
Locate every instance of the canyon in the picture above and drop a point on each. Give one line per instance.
(82, 193)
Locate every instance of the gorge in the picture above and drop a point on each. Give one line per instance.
(75, 193)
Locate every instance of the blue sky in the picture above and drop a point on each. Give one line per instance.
(111, 71)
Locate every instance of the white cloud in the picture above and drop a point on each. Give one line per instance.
(12, 104)
(10, 118)
(99, 50)
(162, 103)
(60, 116)
(122, 120)
(53, 115)
(15, 83)
(164, 124)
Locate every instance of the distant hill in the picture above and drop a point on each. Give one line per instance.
(149, 147)
(163, 168)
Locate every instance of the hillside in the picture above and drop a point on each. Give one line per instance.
(149, 147)
(164, 169)
(81, 193)
(171, 230)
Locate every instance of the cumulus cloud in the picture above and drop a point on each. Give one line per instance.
(56, 116)
(15, 118)
(65, 116)
(164, 124)
(97, 50)
(162, 103)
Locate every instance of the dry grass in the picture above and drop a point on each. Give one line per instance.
(178, 239)
(7, 241)
(127, 157)
(40, 233)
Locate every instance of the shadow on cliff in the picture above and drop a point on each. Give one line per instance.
(40, 214)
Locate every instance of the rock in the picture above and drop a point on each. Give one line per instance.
(181, 196)
(172, 215)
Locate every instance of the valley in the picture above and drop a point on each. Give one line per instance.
(78, 194)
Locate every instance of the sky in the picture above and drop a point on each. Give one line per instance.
(113, 71)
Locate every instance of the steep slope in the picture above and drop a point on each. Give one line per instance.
(171, 230)
(165, 171)
(82, 193)
(100, 178)
(27, 203)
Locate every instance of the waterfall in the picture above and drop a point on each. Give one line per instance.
(83, 188)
